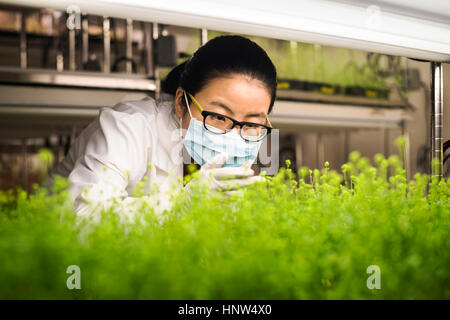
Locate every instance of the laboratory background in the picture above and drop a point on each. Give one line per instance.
(60, 64)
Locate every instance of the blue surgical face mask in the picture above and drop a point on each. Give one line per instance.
(203, 145)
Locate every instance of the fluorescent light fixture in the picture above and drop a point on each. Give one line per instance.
(351, 24)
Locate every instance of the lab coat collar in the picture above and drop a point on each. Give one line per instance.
(168, 133)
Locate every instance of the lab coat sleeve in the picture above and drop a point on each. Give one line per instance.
(114, 153)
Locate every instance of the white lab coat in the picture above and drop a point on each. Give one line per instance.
(132, 142)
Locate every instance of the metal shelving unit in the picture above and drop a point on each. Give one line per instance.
(76, 79)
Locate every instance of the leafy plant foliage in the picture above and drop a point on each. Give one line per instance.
(285, 238)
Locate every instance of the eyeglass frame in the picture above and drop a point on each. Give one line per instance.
(205, 113)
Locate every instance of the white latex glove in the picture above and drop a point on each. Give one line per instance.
(104, 196)
(229, 179)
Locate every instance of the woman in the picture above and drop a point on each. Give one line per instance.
(215, 108)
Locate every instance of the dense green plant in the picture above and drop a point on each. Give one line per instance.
(286, 238)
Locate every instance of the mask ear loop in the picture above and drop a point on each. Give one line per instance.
(181, 119)
(187, 104)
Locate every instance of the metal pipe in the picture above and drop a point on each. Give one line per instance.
(155, 36)
(24, 165)
(437, 102)
(155, 31)
(129, 46)
(298, 150)
(204, 36)
(386, 142)
(407, 155)
(148, 47)
(106, 46)
(346, 145)
(56, 21)
(59, 61)
(320, 151)
(23, 41)
(84, 39)
(72, 46)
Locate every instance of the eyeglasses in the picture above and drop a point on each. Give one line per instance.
(220, 124)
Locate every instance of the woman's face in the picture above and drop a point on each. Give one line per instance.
(237, 96)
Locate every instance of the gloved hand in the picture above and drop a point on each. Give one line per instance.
(228, 179)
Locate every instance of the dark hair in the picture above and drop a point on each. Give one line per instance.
(222, 56)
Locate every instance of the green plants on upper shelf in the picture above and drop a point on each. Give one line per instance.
(308, 237)
(328, 70)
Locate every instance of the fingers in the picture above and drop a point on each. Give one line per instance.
(243, 171)
(248, 181)
(235, 184)
(228, 178)
(228, 173)
(217, 162)
(239, 192)
(248, 163)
